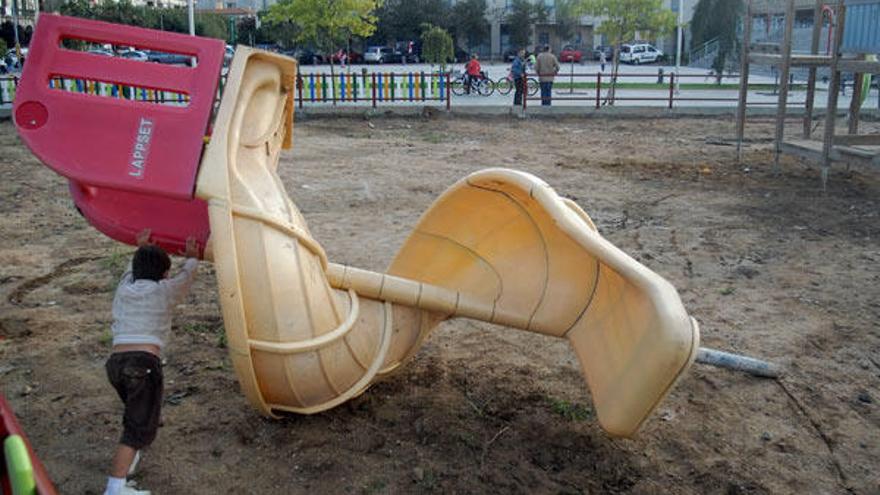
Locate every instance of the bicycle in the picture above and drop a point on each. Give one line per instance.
(482, 86)
(505, 85)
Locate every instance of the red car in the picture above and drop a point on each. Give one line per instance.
(570, 54)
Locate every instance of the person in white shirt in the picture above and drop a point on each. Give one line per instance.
(142, 309)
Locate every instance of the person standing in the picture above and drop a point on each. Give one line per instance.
(518, 72)
(546, 66)
(602, 58)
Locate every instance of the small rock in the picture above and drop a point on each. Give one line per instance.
(865, 398)
(26, 390)
(371, 126)
(746, 271)
(765, 436)
(418, 473)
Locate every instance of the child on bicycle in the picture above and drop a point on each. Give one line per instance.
(474, 72)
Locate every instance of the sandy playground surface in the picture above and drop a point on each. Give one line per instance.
(767, 263)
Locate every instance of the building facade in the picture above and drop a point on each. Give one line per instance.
(584, 36)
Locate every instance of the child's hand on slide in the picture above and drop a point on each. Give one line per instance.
(192, 248)
(143, 237)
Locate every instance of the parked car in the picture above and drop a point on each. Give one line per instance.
(168, 58)
(12, 62)
(382, 55)
(307, 56)
(608, 50)
(509, 55)
(135, 55)
(101, 51)
(639, 53)
(570, 54)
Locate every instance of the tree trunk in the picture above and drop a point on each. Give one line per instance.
(332, 80)
(615, 68)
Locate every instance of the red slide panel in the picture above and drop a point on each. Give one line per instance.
(132, 164)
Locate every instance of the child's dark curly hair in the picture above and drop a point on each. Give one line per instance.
(150, 263)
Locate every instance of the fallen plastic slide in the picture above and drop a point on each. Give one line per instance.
(499, 246)
(306, 334)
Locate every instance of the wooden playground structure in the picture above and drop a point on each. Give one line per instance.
(851, 48)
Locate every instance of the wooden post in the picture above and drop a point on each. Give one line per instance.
(598, 88)
(833, 90)
(671, 88)
(743, 81)
(782, 105)
(299, 87)
(373, 87)
(448, 91)
(855, 104)
(811, 78)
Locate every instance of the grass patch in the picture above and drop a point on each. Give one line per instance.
(375, 486)
(727, 291)
(221, 340)
(570, 410)
(434, 137)
(196, 327)
(115, 264)
(665, 86)
(106, 338)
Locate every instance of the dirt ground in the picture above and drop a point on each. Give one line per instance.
(769, 264)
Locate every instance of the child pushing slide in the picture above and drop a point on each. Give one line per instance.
(142, 308)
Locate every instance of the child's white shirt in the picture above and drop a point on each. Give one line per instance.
(142, 308)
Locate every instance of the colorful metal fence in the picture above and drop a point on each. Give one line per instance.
(98, 88)
(374, 87)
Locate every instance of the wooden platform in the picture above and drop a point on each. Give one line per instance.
(812, 149)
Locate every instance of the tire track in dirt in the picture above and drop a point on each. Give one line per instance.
(65, 268)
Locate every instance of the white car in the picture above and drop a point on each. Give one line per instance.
(135, 55)
(380, 55)
(639, 53)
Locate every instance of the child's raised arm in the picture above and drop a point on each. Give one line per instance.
(180, 283)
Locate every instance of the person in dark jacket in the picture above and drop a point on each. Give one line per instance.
(518, 71)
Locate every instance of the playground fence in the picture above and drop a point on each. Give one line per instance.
(378, 88)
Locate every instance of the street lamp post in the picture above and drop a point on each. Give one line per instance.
(15, 30)
(192, 17)
(678, 48)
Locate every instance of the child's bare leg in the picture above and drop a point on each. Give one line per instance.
(122, 461)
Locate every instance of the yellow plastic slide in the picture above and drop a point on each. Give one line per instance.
(500, 246)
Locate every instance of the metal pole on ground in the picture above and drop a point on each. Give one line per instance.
(738, 362)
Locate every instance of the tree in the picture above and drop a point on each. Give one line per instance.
(523, 15)
(437, 46)
(622, 19)
(402, 20)
(469, 19)
(717, 19)
(326, 24)
(166, 19)
(567, 18)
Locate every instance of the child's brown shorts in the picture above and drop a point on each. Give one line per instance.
(137, 378)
